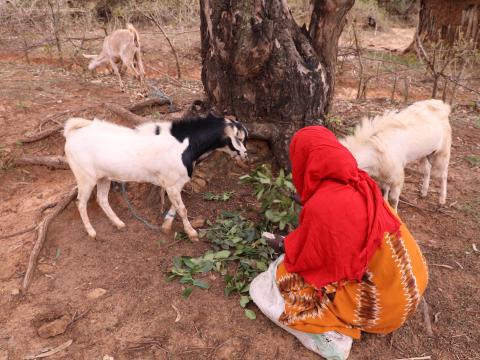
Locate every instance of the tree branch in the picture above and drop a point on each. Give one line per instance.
(41, 236)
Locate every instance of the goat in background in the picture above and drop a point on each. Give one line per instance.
(384, 145)
(121, 45)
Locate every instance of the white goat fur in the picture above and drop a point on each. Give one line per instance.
(99, 151)
(121, 45)
(384, 145)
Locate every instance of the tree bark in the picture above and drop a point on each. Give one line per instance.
(446, 19)
(259, 65)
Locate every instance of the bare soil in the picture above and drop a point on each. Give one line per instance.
(134, 318)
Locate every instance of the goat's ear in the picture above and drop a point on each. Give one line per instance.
(89, 56)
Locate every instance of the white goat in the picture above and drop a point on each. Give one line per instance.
(384, 145)
(121, 45)
(163, 154)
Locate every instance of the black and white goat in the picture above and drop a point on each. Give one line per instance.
(161, 153)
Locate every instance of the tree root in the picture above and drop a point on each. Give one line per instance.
(52, 161)
(148, 103)
(126, 114)
(41, 134)
(41, 236)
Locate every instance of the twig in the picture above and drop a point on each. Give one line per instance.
(51, 352)
(126, 114)
(444, 266)
(31, 228)
(152, 18)
(426, 317)
(416, 358)
(53, 161)
(41, 236)
(41, 135)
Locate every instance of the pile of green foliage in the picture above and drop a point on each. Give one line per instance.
(239, 252)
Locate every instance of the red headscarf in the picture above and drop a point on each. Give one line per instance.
(344, 216)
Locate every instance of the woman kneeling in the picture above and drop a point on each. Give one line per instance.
(350, 266)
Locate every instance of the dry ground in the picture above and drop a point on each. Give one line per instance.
(135, 319)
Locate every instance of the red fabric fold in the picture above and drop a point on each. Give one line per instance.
(344, 216)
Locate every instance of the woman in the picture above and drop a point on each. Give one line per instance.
(350, 266)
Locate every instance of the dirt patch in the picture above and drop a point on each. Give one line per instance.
(133, 318)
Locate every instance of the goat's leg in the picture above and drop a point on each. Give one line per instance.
(168, 219)
(176, 200)
(396, 189)
(386, 191)
(103, 187)
(115, 70)
(427, 169)
(84, 192)
(440, 165)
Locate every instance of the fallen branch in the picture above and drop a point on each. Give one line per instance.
(52, 161)
(41, 236)
(126, 114)
(426, 317)
(42, 134)
(148, 103)
(51, 352)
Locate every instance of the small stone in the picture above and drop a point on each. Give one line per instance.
(96, 293)
(54, 328)
(15, 292)
(198, 222)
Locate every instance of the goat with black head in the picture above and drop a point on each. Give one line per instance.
(162, 153)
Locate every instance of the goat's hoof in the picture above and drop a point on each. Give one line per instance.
(92, 234)
(120, 225)
(423, 194)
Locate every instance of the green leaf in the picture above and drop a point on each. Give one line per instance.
(222, 254)
(201, 284)
(250, 314)
(186, 293)
(244, 300)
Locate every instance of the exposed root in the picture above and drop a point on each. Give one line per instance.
(41, 236)
(52, 161)
(41, 134)
(126, 114)
(148, 103)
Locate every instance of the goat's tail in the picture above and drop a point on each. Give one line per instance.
(136, 37)
(74, 124)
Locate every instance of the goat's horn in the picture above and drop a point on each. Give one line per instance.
(89, 56)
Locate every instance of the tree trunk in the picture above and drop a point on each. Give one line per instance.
(259, 65)
(446, 19)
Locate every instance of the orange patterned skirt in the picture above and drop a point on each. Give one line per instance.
(387, 296)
